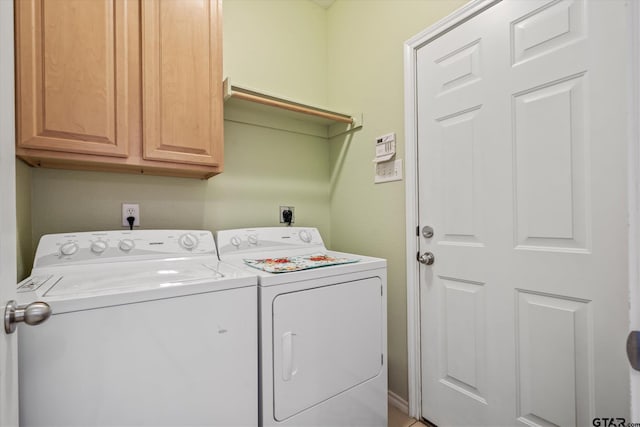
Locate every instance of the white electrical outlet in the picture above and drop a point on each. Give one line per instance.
(388, 171)
(130, 209)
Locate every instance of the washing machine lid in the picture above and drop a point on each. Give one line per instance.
(96, 286)
(145, 276)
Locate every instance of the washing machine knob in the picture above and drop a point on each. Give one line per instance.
(235, 241)
(305, 236)
(253, 239)
(126, 245)
(99, 246)
(188, 241)
(69, 248)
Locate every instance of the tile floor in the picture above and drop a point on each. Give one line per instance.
(398, 419)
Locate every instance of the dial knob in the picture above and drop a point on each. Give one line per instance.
(235, 241)
(305, 236)
(69, 248)
(126, 245)
(188, 241)
(99, 246)
(253, 239)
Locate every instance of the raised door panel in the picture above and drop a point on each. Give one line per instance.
(182, 81)
(72, 79)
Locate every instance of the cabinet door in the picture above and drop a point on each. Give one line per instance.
(72, 82)
(182, 81)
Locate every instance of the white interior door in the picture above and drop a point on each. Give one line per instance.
(522, 146)
(8, 343)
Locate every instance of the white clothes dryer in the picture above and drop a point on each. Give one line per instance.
(148, 328)
(323, 317)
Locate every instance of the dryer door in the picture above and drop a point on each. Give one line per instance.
(325, 340)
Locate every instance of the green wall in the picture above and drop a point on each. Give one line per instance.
(365, 74)
(278, 46)
(23, 219)
(348, 57)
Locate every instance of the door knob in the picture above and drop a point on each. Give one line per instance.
(31, 314)
(426, 258)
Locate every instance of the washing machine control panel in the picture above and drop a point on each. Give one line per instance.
(105, 246)
(267, 239)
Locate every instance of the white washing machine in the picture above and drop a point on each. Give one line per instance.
(148, 329)
(323, 343)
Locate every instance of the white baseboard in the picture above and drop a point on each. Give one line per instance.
(398, 402)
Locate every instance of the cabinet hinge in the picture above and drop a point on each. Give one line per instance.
(382, 359)
(417, 230)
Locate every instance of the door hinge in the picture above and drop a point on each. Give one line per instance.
(381, 291)
(382, 359)
(417, 230)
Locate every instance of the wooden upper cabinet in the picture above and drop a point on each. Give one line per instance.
(72, 82)
(120, 85)
(182, 81)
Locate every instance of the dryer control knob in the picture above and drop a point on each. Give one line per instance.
(253, 239)
(235, 241)
(188, 241)
(126, 245)
(69, 248)
(99, 246)
(305, 236)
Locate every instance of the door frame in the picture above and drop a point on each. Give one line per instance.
(411, 47)
(8, 367)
